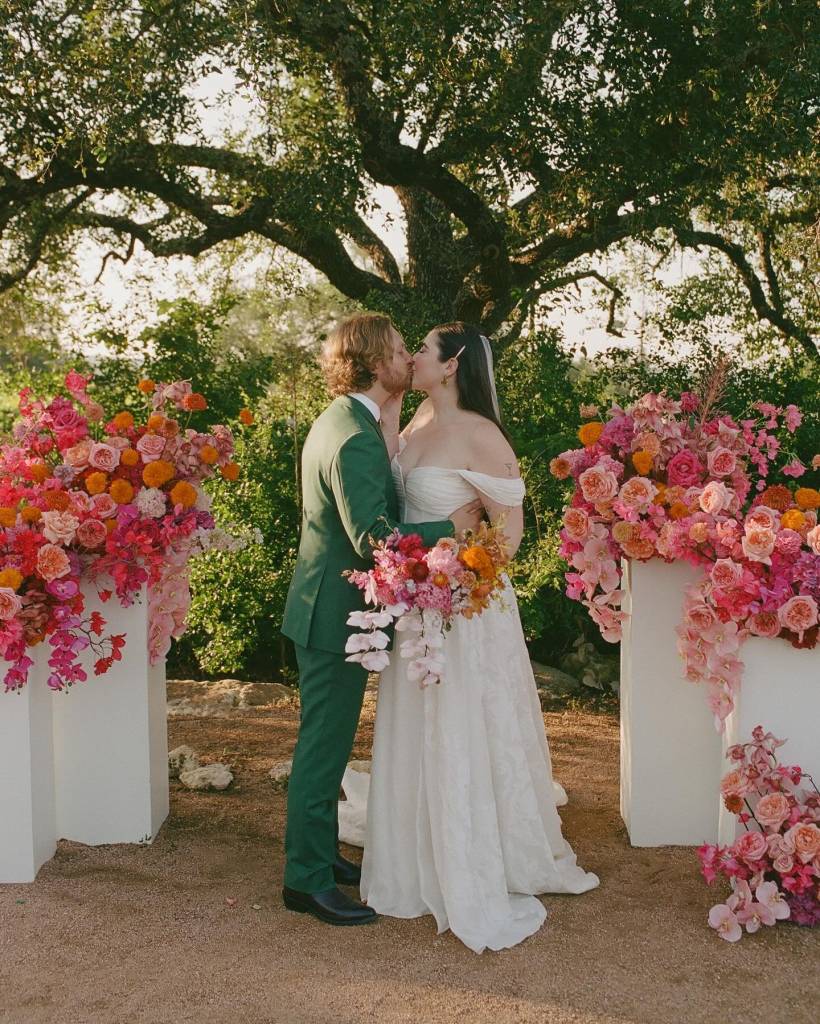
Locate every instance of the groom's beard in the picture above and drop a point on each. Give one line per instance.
(398, 383)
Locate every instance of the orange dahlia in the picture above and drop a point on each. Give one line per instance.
(777, 497)
(807, 497)
(123, 421)
(30, 513)
(157, 473)
(38, 471)
(590, 432)
(129, 457)
(10, 578)
(155, 421)
(8, 515)
(184, 494)
(230, 471)
(96, 483)
(57, 500)
(208, 454)
(121, 491)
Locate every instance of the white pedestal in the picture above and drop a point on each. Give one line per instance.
(781, 692)
(671, 754)
(28, 836)
(111, 739)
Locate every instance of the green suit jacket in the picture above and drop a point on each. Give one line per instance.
(348, 501)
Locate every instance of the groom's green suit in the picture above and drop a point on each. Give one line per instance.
(349, 500)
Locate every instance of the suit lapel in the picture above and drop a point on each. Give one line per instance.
(364, 416)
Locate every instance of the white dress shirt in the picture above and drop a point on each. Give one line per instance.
(369, 404)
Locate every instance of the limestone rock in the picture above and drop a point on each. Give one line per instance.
(181, 759)
(552, 681)
(280, 774)
(209, 776)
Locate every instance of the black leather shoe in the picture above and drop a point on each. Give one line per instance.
(345, 872)
(330, 906)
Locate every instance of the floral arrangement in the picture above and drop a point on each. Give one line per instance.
(773, 869)
(422, 590)
(678, 480)
(86, 496)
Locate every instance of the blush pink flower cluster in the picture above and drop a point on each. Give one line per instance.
(773, 867)
(82, 499)
(658, 480)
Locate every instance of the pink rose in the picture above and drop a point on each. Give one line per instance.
(52, 562)
(813, 539)
(77, 455)
(721, 462)
(65, 417)
(598, 485)
(576, 523)
(763, 624)
(734, 784)
(91, 533)
(788, 542)
(798, 614)
(726, 573)
(806, 838)
(763, 518)
(684, 469)
(715, 497)
(758, 544)
(637, 493)
(59, 527)
(150, 447)
(772, 810)
(751, 847)
(94, 411)
(104, 457)
(699, 532)
(104, 505)
(647, 441)
(700, 616)
(10, 604)
(783, 863)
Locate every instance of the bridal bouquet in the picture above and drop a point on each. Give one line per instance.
(773, 869)
(676, 479)
(85, 495)
(422, 590)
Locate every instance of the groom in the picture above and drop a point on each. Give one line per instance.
(349, 500)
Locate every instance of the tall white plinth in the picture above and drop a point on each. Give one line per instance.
(28, 835)
(781, 692)
(671, 756)
(111, 739)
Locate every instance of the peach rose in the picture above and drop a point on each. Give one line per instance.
(623, 532)
(104, 506)
(59, 527)
(637, 493)
(798, 614)
(783, 863)
(638, 548)
(647, 441)
(758, 544)
(77, 455)
(733, 784)
(700, 616)
(598, 485)
(91, 533)
(150, 447)
(806, 838)
(715, 497)
(104, 457)
(772, 810)
(560, 468)
(751, 846)
(576, 523)
(721, 462)
(10, 604)
(726, 573)
(52, 562)
(813, 539)
(699, 532)
(763, 518)
(763, 624)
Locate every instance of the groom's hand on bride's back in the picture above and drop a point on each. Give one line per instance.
(467, 517)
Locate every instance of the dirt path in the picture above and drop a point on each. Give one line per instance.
(144, 934)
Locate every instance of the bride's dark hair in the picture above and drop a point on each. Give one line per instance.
(475, 389)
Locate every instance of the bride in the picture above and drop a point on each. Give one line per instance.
(461, 812)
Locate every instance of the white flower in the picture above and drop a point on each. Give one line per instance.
(357, 642)
(358, 619)
(376, 661)
(379, 640)
(151, 502)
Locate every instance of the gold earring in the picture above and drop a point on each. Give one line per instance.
(444, 381)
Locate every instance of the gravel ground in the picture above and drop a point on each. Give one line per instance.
(152, 934)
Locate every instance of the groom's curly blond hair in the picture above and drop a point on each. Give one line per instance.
(352, 350)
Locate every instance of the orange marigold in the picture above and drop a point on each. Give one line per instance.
(184, 494)
(8, 515)
(194, 402)
(121, 491)
(96, 483)
(155, 421)
(793, 519)
(129, 457)
(30, 513)
(10, 578)
(208, 454)
(807, 497)
(146, 386)
(590, 432)
(246, 417)
(678, 509)
(38, 471)
(230, 471)
(777, 497)
(123, 421)
(157, 473)
(110, 524)
(660, 497)
(642, 461)
(57, 500)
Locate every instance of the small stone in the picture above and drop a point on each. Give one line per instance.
(181, 759)
(210, 776)
(280, 774)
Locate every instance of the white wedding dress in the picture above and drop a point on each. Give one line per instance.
(461, 810)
